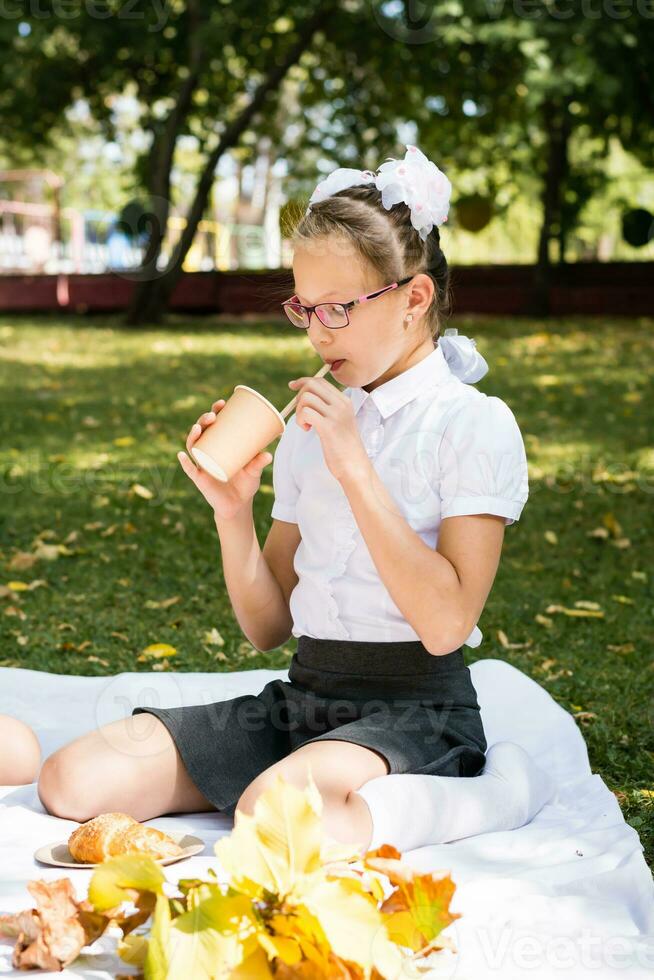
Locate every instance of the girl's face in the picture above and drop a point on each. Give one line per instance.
(374, 344)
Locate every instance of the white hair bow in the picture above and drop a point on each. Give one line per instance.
(462, 356)
(415, 180)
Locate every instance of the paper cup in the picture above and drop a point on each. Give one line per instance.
(244, 426)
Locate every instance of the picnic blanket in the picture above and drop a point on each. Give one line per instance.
(568, 895)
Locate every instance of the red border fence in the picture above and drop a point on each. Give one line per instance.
(623, 288)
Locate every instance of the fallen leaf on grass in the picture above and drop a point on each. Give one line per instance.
(47, 552)
(551, 537)
(593, 613)
(504, 641)
(22, 561)
(162, 603)
(15, 611)
(157, 651)
(587, 604)
(213, 638)
(544, 620)
(584, 716)
(620, 647)
(624, 599)
(141, 491)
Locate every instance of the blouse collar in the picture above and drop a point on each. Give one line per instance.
(403, 388)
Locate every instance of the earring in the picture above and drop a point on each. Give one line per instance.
(408, 319)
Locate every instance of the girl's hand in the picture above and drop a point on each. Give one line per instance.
(226, 499)
(322, 405)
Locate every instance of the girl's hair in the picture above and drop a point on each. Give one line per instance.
(385, 240)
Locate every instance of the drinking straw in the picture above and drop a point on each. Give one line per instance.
(291, 405)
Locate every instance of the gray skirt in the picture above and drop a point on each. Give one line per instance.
(420, 712)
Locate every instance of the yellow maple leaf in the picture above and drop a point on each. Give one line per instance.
(276, 844)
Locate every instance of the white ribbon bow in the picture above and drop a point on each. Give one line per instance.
(462, 356)
(415, 180)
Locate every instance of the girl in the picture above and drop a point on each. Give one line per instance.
(20, 752)
(391, 499)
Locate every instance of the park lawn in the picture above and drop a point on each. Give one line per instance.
(93, 414)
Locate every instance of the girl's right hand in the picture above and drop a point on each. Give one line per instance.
(226, 499)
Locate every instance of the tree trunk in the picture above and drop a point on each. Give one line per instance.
(162, 155)
(154, 294)
(557, 127)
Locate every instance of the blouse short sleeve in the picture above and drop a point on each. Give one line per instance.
(483, 463)
(285, 487)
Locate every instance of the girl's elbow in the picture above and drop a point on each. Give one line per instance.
(448, 641)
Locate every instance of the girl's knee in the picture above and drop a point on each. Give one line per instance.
(65, 784)
(20, 757)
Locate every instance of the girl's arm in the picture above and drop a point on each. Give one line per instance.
(257, 598)
(423, 584)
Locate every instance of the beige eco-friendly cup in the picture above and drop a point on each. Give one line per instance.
(243, 427)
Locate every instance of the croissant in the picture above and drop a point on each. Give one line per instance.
(110, 834)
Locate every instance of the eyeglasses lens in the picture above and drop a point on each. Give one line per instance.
(296, 315)
(330, 314)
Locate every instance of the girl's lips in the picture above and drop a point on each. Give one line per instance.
(336, 365)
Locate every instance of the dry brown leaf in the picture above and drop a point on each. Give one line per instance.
(52, 935)
(592, 613)
(162, 603)
(621, 647)
(584, 716)
(15, 611)
(22, 561)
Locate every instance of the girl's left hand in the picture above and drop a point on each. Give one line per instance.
(322, 405)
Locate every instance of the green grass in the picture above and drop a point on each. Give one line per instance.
(579, 390)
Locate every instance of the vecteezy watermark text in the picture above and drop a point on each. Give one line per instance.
(155, 12)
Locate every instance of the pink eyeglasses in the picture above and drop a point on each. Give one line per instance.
(332, 315)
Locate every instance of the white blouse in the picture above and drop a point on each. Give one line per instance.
(441, 447)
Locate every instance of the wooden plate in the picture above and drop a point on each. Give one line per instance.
(59, 855)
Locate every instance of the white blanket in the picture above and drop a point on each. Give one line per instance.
(567, 896)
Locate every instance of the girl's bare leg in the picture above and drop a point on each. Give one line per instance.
(131, 766)
(20, 752)
(339, 768)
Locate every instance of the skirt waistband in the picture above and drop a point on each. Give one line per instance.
(362, 670)
(398, 657)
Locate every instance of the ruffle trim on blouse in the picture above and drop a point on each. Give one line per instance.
(344, 535)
